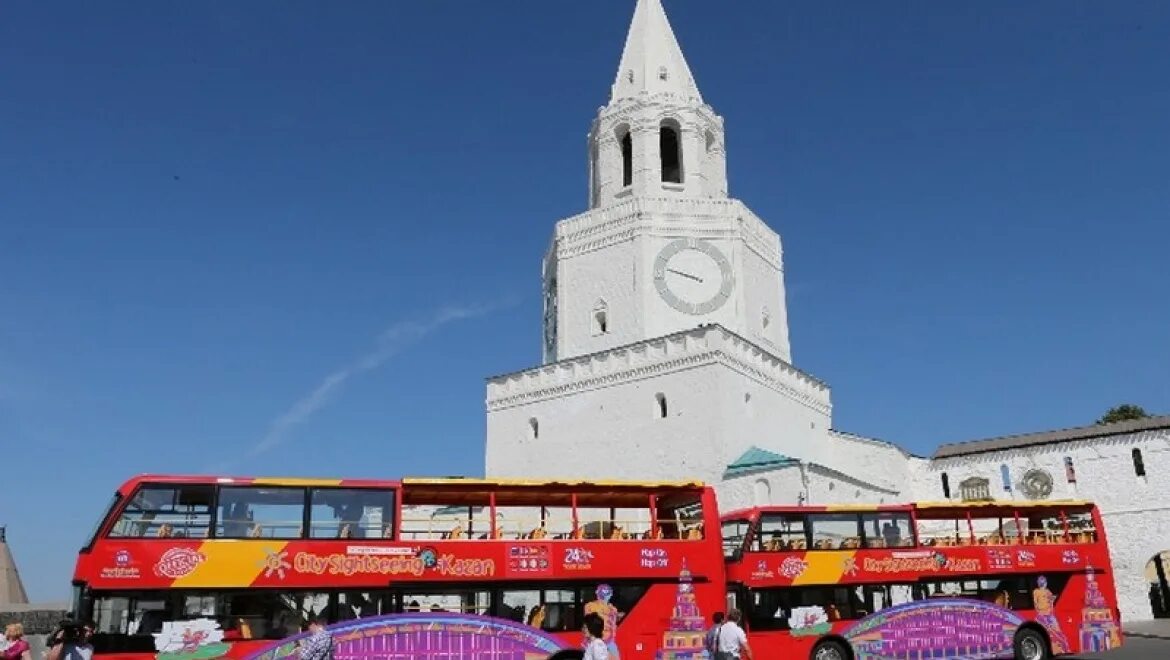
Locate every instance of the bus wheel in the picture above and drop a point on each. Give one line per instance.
(1031, 645)
(830, 650)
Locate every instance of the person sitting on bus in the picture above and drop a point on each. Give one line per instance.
(892, 535)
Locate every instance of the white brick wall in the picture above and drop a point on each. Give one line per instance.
(597, 416)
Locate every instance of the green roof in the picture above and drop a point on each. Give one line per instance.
(757, 460)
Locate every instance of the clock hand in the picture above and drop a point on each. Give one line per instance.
(686, 275)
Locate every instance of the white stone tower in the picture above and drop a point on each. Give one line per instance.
(662, 248)
(666, 351)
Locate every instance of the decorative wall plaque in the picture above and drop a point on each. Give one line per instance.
(1036, 484)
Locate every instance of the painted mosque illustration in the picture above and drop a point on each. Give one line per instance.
(683, 640)
(1099, 628)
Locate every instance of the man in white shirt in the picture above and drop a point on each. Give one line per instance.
(733, 643)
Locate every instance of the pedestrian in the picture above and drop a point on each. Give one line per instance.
(16, 647)
(319, 644)
(71, 642)
(711, 641)
(595, 648)
(733, 643)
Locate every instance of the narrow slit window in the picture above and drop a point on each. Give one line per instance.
(533, 429)
(1139, 463)
(1006, 475)
(946, 486)
(660, 405)
(1070, 472)
(627, 160)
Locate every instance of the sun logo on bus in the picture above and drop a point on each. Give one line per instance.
(275, 562)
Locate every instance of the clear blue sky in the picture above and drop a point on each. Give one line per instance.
(211, 214)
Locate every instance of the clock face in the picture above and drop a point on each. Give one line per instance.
(693, 276)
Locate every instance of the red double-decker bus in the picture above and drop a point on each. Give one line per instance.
(981, 580)
(215, 566)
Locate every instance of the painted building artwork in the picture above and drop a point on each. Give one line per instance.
(197, 639)
(437, 635)
(1099, 628)
(683, 640)
(950, 627)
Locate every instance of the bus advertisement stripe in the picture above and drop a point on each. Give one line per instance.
(233, 563)
(825, 567)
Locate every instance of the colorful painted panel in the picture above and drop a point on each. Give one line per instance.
(954, 628)
(427, 635)
(683, 640)
(1099, 628)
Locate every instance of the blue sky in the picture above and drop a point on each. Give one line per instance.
(293, 237)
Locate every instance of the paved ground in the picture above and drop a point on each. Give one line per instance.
(1135, 648)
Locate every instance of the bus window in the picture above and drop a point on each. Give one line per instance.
(779, 608)
(342, 513)
(359, 604)
(560, 612)
(887, 530)
(466, 601)
(260, 512)
(779, 531)
(834, 530)
(734, 533)
(166, 511)
(518, 605)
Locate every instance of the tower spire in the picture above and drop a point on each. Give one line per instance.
(11, 588)
(652, 61)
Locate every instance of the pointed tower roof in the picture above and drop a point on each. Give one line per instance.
(11, 588)
(652, 60)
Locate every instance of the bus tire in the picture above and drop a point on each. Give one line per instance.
(1030, 644)
(830, 649)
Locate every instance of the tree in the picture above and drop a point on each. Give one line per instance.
(1123, 413)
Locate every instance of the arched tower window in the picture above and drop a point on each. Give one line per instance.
(1070, 472)
(627, 144)
(670, 147)
(660, 405)
(600, 319)
(946, 486)
(763, 492)
(533, 429)
(1139, 463)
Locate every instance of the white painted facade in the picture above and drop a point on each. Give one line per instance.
(650, 373)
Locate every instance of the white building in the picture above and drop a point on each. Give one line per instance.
(666, 351)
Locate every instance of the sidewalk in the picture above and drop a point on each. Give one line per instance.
(1156, 629)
